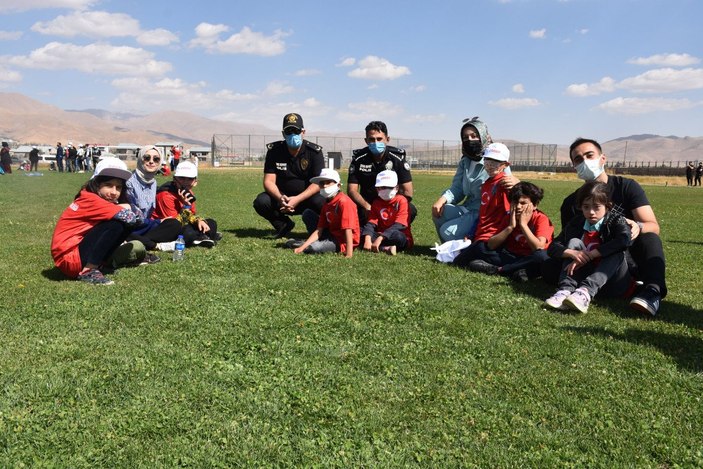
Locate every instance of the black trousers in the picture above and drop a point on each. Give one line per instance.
(99, 242)
(268, 208)
(167, 230)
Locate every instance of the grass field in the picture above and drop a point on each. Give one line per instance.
(248, 355)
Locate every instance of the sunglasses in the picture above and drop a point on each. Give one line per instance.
(155, 159)
(291, 131)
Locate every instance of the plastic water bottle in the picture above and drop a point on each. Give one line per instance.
(179, 252)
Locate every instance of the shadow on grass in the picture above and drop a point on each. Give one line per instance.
(682, 241)
(54, 274)
(686, 351)
(251, 233)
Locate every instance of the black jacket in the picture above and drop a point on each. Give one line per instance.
(614, 233)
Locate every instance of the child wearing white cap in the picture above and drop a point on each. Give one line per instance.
(98, 220)
(388, 226)
(493, 216)
(175, 199)
(338, 225)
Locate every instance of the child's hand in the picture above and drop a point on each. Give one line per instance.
(367, 243)
(376, 246)
(203, 227)
(513, 216)
(526, 215)
(299, 249)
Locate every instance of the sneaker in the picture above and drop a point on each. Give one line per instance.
(484, 267)
(95, 277)
(285, 230)
(166, 247)
(646, 301)
(390, 250)
(520, 276)
(203, 241)
(216, 236)
(293, 243)
(556, 301)
(149, 259)
(579, 300)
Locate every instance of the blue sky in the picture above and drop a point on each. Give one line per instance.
(545, 71)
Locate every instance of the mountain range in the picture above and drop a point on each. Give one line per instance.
(28, 121)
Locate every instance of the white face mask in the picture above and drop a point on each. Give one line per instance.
(387, 194)
(329, 191)
(589, 170)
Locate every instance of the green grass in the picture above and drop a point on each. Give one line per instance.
(248, 355)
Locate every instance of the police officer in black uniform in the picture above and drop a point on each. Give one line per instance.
(289, 166)
(367, 162)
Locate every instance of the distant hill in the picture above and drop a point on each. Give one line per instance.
(28, 121)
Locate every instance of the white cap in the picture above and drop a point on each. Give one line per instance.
(113, 167)
(497, 152)
(326, 174)
(387, 178)
(186, 170)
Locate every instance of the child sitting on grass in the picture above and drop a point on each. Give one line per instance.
(98, 220)
(495, 206)
(519, 249)
(593, 252)
(175, 199)
(338, 225)
(388, 227)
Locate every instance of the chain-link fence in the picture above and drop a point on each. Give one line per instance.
(250, 150)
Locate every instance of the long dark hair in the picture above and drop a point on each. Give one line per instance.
(595, 190)
(93, 185)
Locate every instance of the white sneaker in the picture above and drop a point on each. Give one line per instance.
(166, 247)
(556, 301)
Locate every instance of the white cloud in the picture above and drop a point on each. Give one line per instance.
(425, 118)
(245, 41)
(348, 62)
(269, 113)
(664, 80)
(632, 106)
(414, 89)
(306, 72)
(666, 60)
(26, 5)
(538, 33)
(144, 94)
(369, 110)
(157, 37)
(93, 58)
(518, 88)
(10, 35)
(378, 68)
(582, 31)
(605, 85)
(9, 76)
(95, 24)
(515, 103)
(276, 88)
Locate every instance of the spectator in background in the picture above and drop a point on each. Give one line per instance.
(690, 172)
(72, 167)
(699, 173)
(34, 159)
(59, 157)
(5, 158)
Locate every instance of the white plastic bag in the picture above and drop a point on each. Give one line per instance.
(446, 252)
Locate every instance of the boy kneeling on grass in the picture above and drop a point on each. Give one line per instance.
(338, 225)
(518, 250)
(388, 226)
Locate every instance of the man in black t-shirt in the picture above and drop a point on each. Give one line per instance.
(289, 166)
(630, 200)
(367, 162)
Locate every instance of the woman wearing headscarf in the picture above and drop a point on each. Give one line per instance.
(155, 234)
(455, 214)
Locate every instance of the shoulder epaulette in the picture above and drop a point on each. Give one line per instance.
(312, 146)
(359, 152)
(274, 144)
(397, 152)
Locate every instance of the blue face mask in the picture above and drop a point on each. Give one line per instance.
(377, 148)
(294, 140)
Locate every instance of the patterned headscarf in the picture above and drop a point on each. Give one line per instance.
(482, 129)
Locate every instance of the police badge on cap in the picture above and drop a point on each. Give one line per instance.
(293, 120)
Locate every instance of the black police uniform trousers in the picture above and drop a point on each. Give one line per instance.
(269, 209)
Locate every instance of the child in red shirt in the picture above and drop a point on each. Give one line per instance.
(175, 199)
(98, 220)
(388, 227)
(338, 226)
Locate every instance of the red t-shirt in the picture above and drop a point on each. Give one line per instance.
(168, 205)
(540, 225)
(338, 215)
(81, 216)
(495, 209)
(384, 214)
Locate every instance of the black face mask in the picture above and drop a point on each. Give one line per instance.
(472, 149)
